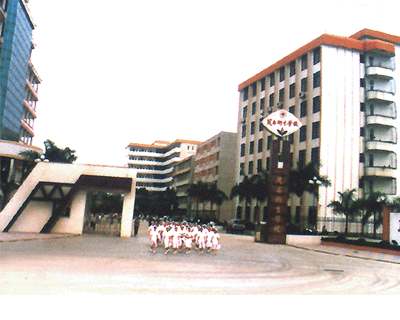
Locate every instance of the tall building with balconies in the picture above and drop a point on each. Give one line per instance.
(18, 78)
(343, 89)
(155, 162)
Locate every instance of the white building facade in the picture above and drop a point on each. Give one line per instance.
(343, 91)
(155, 162)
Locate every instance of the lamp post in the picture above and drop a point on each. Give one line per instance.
(315, 183)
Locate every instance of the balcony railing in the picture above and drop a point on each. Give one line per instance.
(384, 96)
(380, 120)
(379, 72)
(381, 146)
(388, 172)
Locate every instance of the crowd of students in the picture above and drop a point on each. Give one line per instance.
(181, 236)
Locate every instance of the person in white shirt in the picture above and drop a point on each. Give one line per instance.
(168, 238)
(188, 239)
(154, 236)
(216, 243)
(201, 239)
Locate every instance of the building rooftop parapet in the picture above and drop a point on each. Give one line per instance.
(380, 42)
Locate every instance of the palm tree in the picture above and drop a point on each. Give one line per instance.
(259, 189)
(347, 205)
(198, 191)
(243, 191)
(216, 196)
(300, 179)
(306, 178)
(373, 206)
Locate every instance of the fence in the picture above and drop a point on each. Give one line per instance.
(354, 228)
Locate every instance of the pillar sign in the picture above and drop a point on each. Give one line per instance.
(281, 123)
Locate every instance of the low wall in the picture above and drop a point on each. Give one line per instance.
(294, 239)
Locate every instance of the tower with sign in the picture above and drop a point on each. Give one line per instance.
(281, 123)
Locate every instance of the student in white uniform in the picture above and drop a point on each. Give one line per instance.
(154, 236)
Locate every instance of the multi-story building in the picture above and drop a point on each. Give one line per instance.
(19, 79)
(155, 162)
(182, 174)
(215, 162)
(343, 89)
(19, 82)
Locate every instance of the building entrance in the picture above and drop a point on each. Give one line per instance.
(103, 213)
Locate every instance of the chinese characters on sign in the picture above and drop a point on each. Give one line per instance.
(282, 123)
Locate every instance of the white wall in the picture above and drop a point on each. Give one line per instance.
(340, 122)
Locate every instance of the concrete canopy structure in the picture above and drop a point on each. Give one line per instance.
(40, 203)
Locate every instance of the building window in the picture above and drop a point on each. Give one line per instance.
(244, 128)
(362, 58)
(241, 172)
(251, 149)
(315, 130)
(260, 145)
(362, 132)
(262, 102)
(272, 79)
(362, 107)
(362, 158)
(303, 109)
(271, 99)
(362, 83)
(303, 85)
(245, 94)
(242, 149)
(267, 163)
(302, 158)
(317, 79)
(292, 88)
(316, 104)
(317, 55)
(292, 109)
(281, 74)
(254, 89)
(281, 94)
(259, 165)
(245, 112)
(251, 167)
(262, 81)
(292, 69)
(304, 62)
(252, 127)
(260, 126)
(303, 133)
(253, 108)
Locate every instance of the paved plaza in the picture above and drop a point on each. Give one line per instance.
(91, 264)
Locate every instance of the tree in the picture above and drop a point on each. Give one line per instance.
(306, 178)
(347, 205)
(216, 196)
(243, 190)
(55, 154)
(373, 206)
(200, 192)
(300, 179)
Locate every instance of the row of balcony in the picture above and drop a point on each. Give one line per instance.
(147, 153)
(155, 163)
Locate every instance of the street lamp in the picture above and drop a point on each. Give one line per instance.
(315, 182)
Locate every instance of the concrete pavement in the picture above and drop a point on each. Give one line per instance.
(360, 254)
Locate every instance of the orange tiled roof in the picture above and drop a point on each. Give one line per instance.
(338, 41)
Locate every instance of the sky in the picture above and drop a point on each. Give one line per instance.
(120, 71)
